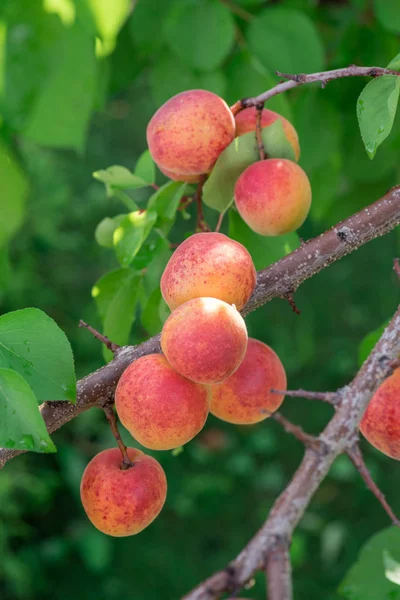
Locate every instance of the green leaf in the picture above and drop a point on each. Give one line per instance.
(388, 14)
(33, 344)
(200, 34)
(62, 110)
(104, 233)
(166, 199)
(154, 313)
(131, 233)
(286, 40)
(241, 153)
(369, 342)
(376, 109)
(146, 23)
(145, 168)
(394, 63)
(375, 575)
(120, 178)
(109, 18)
(180, 78)
(21, 424)
(14, 191)
(264, 250)
(116, 295)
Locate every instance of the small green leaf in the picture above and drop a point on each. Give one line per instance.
(286, 40)
(116, 295)
(21, 424)
(145, 168)
(264, 250)
(155, 312)
(388, 14)
(166, 199)
(375, 575)
(200, 34)
(33, 344)
(131, 233)
(394, 63)
(14, 191)
(109, 18)
(369, 342)
(376, 110)
(62, 110)
(241, 153)
(104, 233)
(120, 178)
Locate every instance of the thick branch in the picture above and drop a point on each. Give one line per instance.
(339, 436)
(274, 281)
(279, 572)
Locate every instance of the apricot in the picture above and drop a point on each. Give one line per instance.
(160, 408)
(246, 121)
(380, 424)
(204, 339)
(123, 502)
(245, 397)
(180, 177)
(209, 265)
(188, 133)
(273, 196)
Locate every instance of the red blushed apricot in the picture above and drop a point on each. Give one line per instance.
(245, 397)
(123, 502)
(160, 408)
(380, 424)
(204, 339)
(273, 196)
(246, 121)
(180, 177)
(209, 265)
(188, 133)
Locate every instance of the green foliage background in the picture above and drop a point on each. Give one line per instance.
(71, 105)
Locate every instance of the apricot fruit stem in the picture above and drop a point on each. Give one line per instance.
(260, 145)
(102, 338)
(357, 459)
(219, 222)
(112, 421)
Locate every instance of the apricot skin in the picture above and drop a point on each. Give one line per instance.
(273, 196)
(246, 121)
(180, 177)
(123, 502)
(209, 265)
(245, 397)
(160, 408)
(380, 424)
(188, 133)
(204, 339)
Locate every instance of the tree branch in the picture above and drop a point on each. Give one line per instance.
(339, 436)
(274, 281)
(279, 572)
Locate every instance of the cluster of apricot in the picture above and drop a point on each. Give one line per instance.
(208, 364)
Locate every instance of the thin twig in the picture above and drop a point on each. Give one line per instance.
(219, 222)
(279, 572)
(305, 438)
(238, 10)
(112, 421)
(289, 297)
(260, 143)
(329, 397)
(201, 224)
(102, 338)
(356, 458)
(396, 267)
(302, 78)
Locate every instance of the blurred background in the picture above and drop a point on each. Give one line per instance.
(79, 80)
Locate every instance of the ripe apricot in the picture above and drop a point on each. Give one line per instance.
(209, 265)
(380, 424)
(180, 177)
(188, 133)
(245, 397)
(273, 196)
(204, 339)
(246, 121)
(160, 408)
(123, 502)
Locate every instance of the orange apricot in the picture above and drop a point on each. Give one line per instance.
(273, 196)
(188, 133)
(123, 502)
(246, 121)
(245, 397)
(180, 177)
(159, 407)
(209, 265)
(204, 339)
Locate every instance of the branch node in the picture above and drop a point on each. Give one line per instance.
(102, 338)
